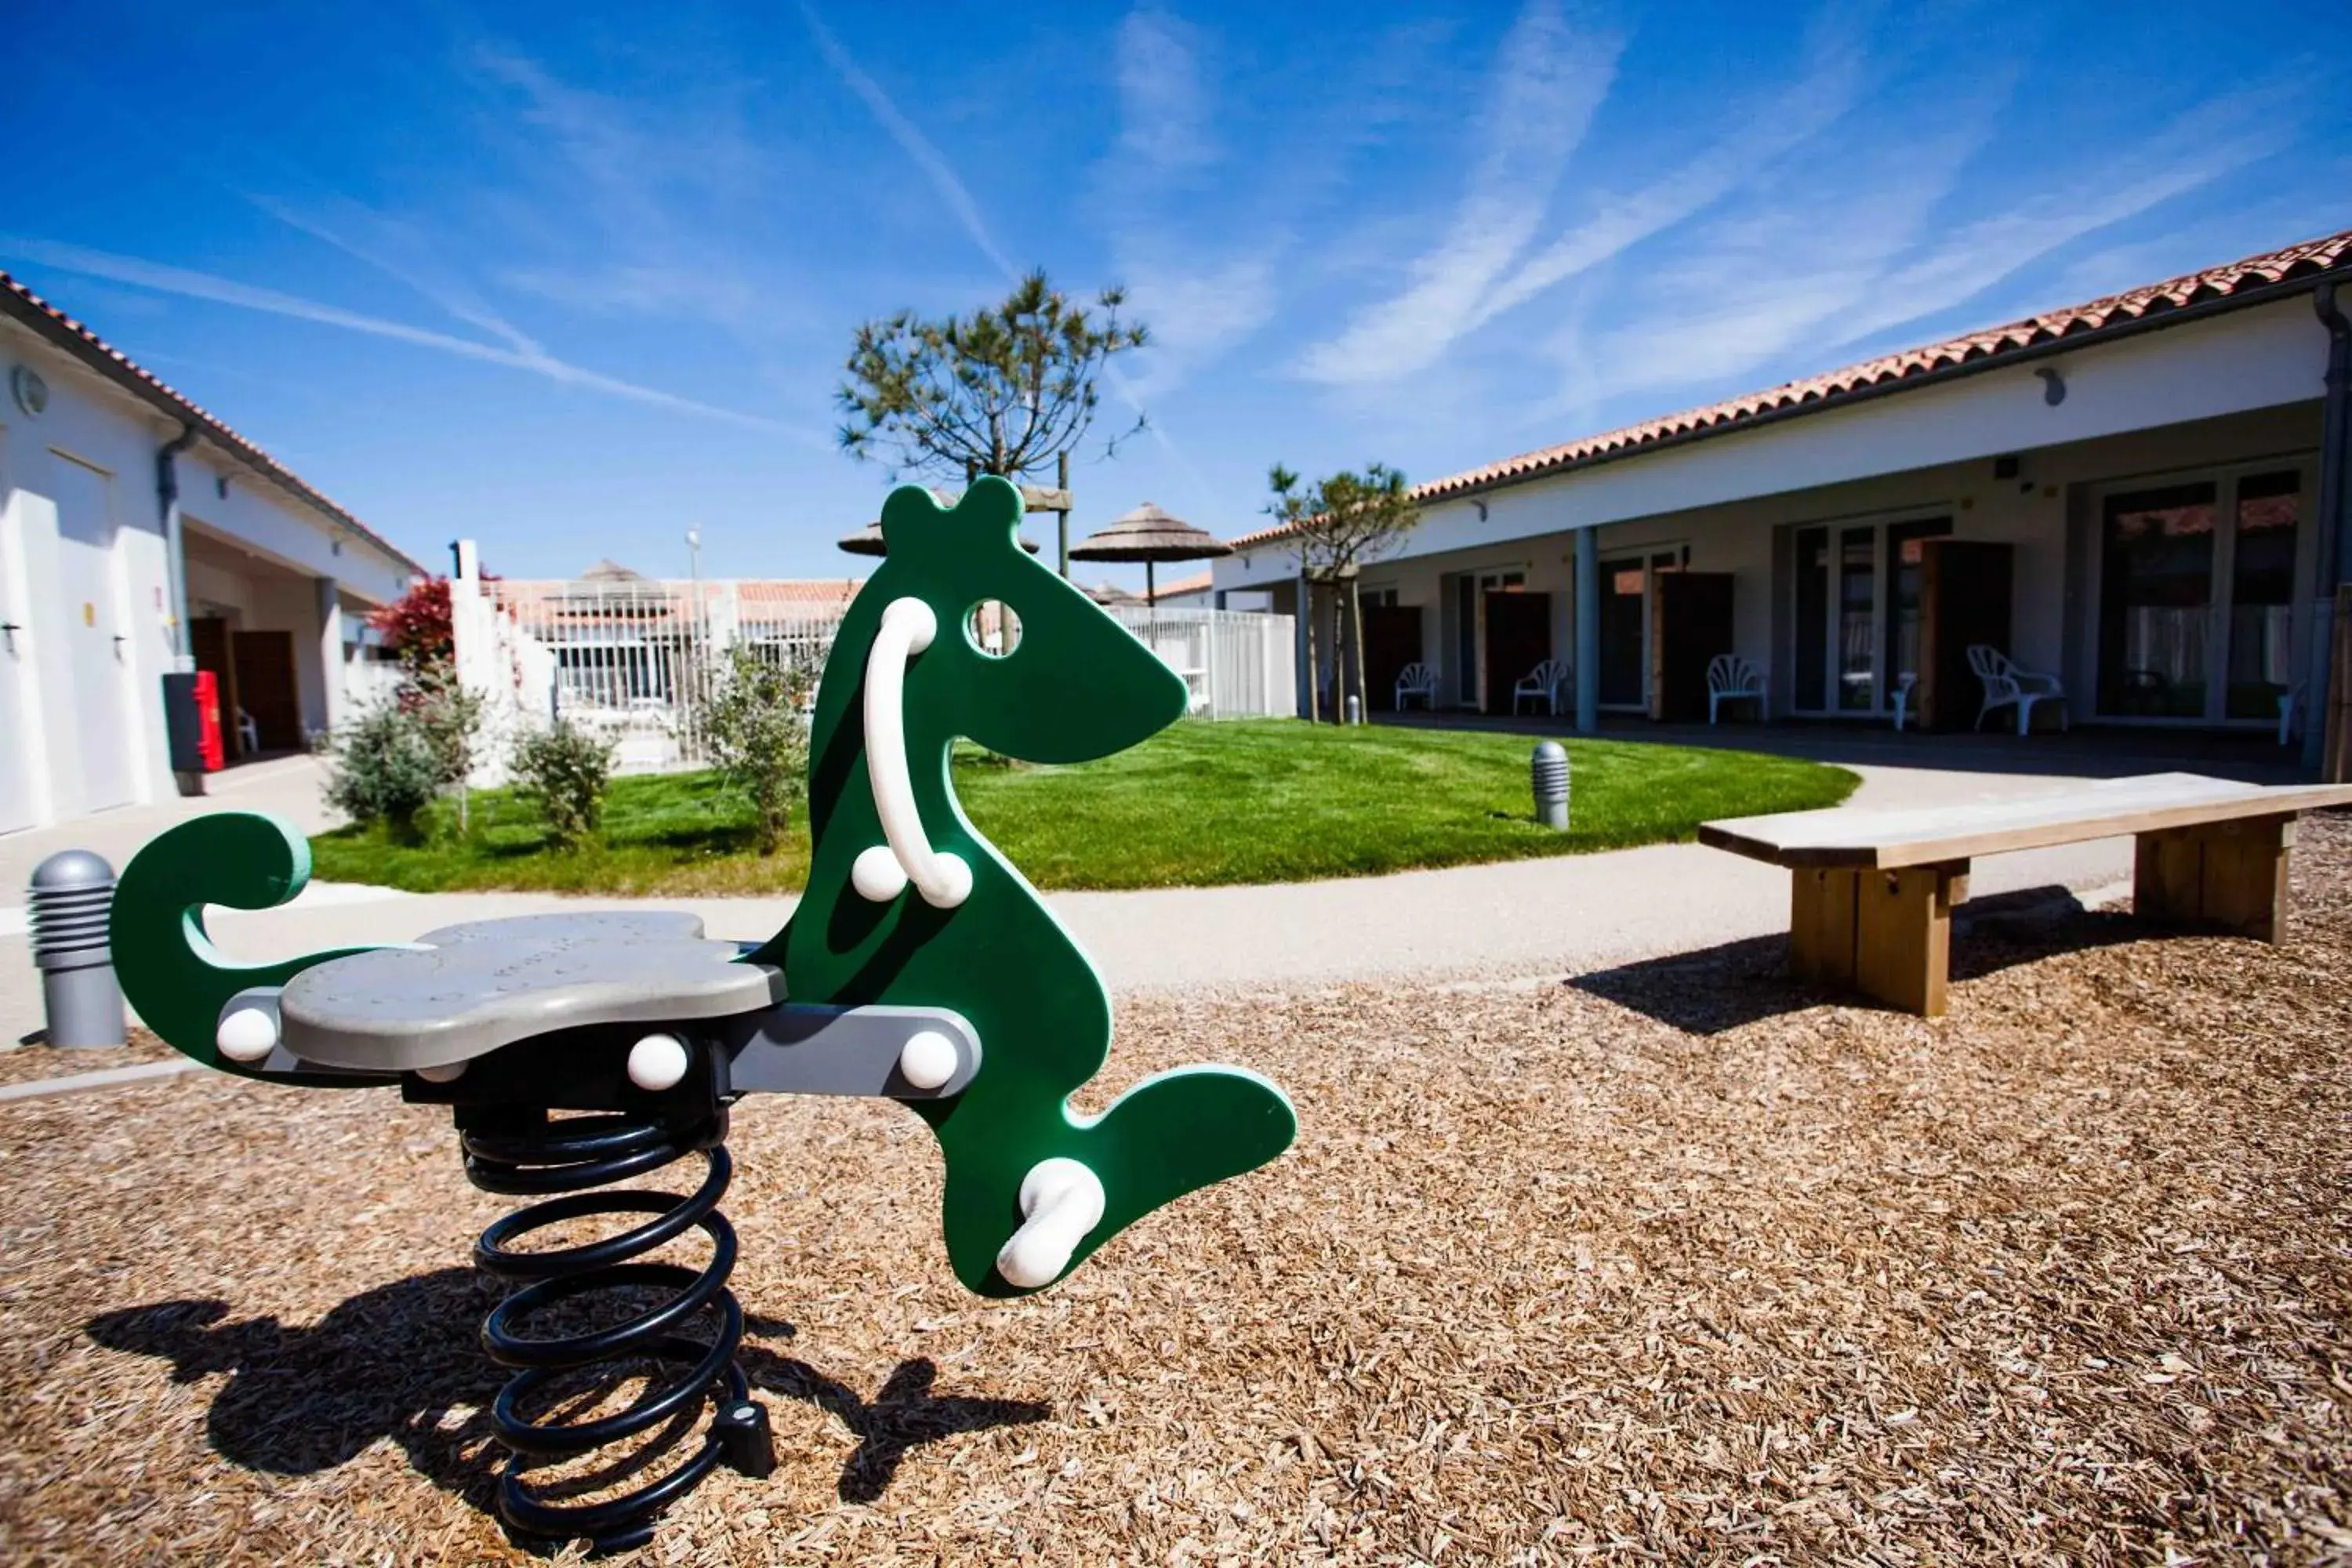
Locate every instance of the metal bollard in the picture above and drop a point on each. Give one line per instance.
(1355, 708)
(71, 899)
(1547, 771)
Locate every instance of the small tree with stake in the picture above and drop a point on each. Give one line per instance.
(1009, 391)
(1342, 522)
(1005, 391)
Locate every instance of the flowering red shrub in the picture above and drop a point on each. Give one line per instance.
(416, 625)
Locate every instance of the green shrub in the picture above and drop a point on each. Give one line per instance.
(758, 736)
(382, 770)
(568, 770)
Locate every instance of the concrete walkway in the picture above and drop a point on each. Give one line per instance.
(284, 786)
(1569, 915)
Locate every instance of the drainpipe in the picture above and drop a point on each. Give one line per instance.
(2335, 518)
(179, 704)
(167, 495)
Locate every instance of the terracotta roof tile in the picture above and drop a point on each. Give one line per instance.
(71, 335)
(1827, 390)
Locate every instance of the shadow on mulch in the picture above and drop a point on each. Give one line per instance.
(1721, 988)
(403, 1360)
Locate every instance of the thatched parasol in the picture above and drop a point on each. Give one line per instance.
(867, 540)
(1150, 535)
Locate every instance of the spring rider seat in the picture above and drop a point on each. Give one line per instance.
(920, 966)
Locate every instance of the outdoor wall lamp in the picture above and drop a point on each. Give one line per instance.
(2054, 386)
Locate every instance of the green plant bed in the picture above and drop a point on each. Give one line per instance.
(1201, 804)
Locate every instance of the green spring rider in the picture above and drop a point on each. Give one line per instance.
(920, 966)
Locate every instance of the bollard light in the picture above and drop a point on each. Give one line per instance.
(1547, 771)
(70, 902)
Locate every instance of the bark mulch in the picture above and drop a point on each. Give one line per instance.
(28, 1064)
(1671, 1264)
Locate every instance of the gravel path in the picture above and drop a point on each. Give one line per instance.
(1676, 1263)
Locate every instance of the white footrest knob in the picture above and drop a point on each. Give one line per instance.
(1061, 1201)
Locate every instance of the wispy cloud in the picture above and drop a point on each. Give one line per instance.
(400, 251)
(652, 204)
(1198, 302)
(1828, 87)
(1831, 263)
(1208, 288)
(1551, 79)
(1164, 103)
(187, 284)
(911, 141)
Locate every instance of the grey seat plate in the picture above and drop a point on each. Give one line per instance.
(466, 990)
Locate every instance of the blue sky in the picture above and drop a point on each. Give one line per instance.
(569, 279)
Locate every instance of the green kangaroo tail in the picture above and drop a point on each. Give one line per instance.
(171, 973)
(1171, 1135)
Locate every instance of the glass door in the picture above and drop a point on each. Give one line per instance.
(1858, 615)
(2262, 596)
(1906, 558)
(2197, 598)
(1857, 623)
(1470, 591)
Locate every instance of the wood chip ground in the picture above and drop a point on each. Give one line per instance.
(1674, 1264)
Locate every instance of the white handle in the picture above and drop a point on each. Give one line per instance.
(1061, 1201)
(881, 873)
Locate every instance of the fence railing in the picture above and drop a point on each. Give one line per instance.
(635, 659)
(1238, 664)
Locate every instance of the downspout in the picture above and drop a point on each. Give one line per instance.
(2335, 519)
(167, 495)
(175, 571)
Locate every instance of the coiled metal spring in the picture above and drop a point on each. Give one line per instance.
(524, 1153)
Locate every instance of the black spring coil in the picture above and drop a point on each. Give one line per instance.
(529, 1155)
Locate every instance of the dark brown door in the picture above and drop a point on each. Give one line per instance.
(264, 688)
(1964, 588)
(1690, 623)
(1518, 638)
(1391, 641)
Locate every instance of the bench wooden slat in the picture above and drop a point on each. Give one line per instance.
(1885, 839)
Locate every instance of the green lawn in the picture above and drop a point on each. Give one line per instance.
(1265, 801)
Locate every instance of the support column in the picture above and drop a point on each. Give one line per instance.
(1588, 630)
(1887, 934)
(2225, 875)
(330, 652)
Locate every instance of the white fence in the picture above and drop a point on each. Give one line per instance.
(1239, 664)
(633, 658)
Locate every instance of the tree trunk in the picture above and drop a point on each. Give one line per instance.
(1338, 654)
(1356, 650)
(1314, 670)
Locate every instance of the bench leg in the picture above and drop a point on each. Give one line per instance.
(1887, 934)
(2226, 876)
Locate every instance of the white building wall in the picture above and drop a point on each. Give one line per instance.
(2244, 360)
(2225, 389)
(93, 449)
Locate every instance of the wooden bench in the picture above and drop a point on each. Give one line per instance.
(1873, 890)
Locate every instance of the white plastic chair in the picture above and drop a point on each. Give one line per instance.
(1544, 680)
(1903, 685)
(1416, 679)
(2007, 686)
(248, 733)
(1733, 679)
